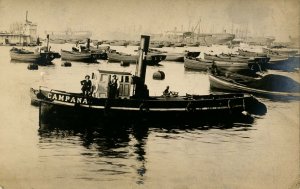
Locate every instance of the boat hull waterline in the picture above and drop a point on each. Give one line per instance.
(51, 100)
(39, 58)
(219, 83)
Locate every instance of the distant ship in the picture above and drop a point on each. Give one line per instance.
(215, 38)
(206, 39)
(69, 35)
(268, 40)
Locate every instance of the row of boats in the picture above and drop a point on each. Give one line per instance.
(247, 72)
(81, 53)
(153, 44)
(227, 72)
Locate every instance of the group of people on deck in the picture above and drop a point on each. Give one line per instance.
(113, 88)
(86, 87)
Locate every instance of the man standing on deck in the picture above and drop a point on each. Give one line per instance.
(86, 85)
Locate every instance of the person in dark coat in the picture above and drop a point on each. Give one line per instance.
(113, 87)
(166, 91)
(86, 85)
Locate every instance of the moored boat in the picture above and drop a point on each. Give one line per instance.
(78, 56)
(42, 56)
(246, 53)
(156, 44)
(84, 53)
(151, 59)
(276, 60)
(129, 99)
(197, 64)
(270, 86)
(239, 64)
(281, 50)
(170, 56)
(118, 43)
(237, 67)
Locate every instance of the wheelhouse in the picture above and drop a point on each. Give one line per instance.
(111, 84)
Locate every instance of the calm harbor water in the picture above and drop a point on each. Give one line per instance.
(264, 154)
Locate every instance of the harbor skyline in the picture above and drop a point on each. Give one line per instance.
(108, 19)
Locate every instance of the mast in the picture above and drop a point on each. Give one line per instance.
(199, 29)
(47, 42)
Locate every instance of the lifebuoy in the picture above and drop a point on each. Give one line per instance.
(190, 107)
(144, 108)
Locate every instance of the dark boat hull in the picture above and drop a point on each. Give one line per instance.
(222, 83)
(44, 58)
(114, 57)
(191, 107)
(78, 56)
(176, 57)
(198, 65)
(50, 112)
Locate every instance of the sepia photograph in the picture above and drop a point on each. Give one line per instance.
(130, 94)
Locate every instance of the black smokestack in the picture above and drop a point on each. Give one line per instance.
(141, 90)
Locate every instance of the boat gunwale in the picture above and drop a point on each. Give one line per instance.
(247, 89)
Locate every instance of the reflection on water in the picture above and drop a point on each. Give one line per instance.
(116, 149)
(108, 145)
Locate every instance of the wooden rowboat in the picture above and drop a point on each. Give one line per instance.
(117, 57)
(78, 56)
(227, 84)
(197, 64)
(42, 58)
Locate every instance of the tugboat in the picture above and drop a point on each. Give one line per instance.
(83, 54)
(131, 100)
(42, 57)
(151, 59)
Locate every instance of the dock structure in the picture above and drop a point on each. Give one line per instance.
(21, 33)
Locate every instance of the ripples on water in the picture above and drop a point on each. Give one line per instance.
(257, 154)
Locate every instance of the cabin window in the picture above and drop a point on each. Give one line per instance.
(121, 89)
(122, 78)
(126, 90)
(127, 79)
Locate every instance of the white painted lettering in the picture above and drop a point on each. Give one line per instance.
(73, 99)
(79, 100)
(54, 97)
(49, 95)
(61, 97)
(84, 101)
(67, 98)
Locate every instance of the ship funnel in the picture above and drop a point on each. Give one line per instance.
(143, 50)
(26, 16)
(140, 72)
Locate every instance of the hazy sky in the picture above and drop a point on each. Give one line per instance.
(279, 18)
